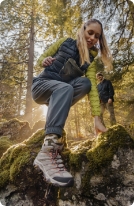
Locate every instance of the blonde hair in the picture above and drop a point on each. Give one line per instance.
(106, 56)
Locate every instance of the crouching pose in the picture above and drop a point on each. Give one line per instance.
(69, 75)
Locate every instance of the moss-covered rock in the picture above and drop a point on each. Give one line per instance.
(5, 143)
(106, 143)
(103, 170)
(101, 167)
(15, 130)
(130, 129)
(18, 156)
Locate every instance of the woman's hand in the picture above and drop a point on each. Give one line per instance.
(48, 61)
(109, 101)
(99, 127)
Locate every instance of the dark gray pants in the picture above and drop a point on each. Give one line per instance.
(59, 96)
(110, 108)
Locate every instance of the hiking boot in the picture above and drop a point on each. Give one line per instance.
(50, 163)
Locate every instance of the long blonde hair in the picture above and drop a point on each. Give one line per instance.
(106, 56)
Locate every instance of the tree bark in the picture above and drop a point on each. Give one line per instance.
(28, 110)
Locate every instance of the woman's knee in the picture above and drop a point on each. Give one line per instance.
(86, 83)
(68, 89)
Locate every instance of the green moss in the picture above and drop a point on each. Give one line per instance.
(130, 129)
(99, 153)
(37, 138)
(78, 154)
(4, 177)
(17, 156)
(65, 153)
(107, 144)
(64, 138)
(76, 160)
(18, 164)
(5, 143)
(104, 148)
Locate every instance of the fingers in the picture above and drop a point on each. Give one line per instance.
(97, 131)
(110, 101)
(99, 127)
(48, 61)
(102, 129)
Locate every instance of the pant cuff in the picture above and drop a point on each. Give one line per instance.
(54, 130)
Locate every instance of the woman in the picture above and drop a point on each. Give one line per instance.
(61, 85)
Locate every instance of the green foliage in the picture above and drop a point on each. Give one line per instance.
(124, 98)
(63, 18)
(49, 20)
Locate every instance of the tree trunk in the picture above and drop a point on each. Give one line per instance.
(19, 99)
(28, 111)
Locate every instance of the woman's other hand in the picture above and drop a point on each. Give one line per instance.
(110, 101)
(99, 127)
(48, 61)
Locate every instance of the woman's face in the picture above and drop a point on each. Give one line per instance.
(92, 34)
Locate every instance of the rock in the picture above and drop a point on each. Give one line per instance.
(103, 170)
(108, 173)
(15, 130)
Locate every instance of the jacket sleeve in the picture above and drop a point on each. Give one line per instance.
(93, 94)
(111, 90)
(51, 50)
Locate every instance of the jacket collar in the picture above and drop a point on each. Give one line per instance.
(93, 52)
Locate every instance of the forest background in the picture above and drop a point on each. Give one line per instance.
(29, 27)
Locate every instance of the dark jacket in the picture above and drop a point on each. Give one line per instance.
(106, 90)
(68, 49)
(63, 49)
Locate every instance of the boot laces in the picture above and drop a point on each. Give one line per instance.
(56, 159)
